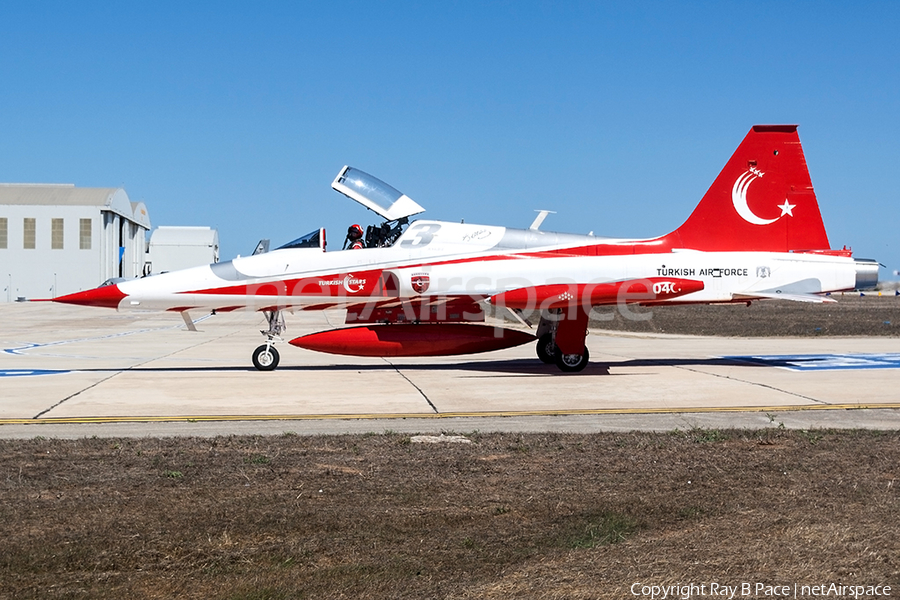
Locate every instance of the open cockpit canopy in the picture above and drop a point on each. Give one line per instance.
(375, 194)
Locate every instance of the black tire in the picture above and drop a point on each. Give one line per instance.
(572, 363)
(265, 358)
(546, 349)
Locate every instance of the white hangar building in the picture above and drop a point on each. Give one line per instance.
(60, 239)
(173, 248)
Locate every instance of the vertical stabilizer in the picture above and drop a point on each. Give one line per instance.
(763, 200)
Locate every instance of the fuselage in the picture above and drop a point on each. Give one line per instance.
(435, 258)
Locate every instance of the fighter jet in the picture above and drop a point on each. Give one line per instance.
(421, 288)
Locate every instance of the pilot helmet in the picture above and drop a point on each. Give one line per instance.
(354, 232)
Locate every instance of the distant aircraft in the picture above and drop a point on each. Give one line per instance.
(421, 289)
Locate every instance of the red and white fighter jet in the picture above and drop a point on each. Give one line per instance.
(421, 288)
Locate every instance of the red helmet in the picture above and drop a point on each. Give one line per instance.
(354, 232)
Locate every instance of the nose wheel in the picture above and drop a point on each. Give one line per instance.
(265, 358)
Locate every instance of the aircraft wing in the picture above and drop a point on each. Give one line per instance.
(423, 309)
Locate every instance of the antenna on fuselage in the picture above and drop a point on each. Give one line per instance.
(262, 247)
(542, 214)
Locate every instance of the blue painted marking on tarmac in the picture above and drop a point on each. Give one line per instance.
(28, 372)
(21, 350)
(825, 362)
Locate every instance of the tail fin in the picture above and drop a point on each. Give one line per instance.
(762, 200)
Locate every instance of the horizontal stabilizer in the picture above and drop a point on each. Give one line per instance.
(777, 296)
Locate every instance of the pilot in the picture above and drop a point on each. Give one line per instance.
(354, 238)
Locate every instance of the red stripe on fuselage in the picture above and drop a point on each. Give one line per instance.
(362, 283)
(328, 286)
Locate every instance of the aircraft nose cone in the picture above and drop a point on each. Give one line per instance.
(107, 296)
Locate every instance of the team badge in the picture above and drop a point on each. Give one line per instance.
(420, 282)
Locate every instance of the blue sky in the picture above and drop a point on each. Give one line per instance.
(616, 115)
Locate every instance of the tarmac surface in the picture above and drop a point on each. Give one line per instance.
(69, 372)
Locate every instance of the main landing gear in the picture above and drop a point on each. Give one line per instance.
(266, 357)
(573, 363)
(546, 349)
(555, 328)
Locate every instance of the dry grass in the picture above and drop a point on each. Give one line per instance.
(867, 316)
(543, 515)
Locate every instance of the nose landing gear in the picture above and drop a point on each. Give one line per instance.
(266, 357)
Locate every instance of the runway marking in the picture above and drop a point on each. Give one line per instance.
(824, 362)
(29, 372)
(115, 374)
(448, 415)
(20, 350)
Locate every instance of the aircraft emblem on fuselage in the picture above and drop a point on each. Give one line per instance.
(350, 281)
(420, 282)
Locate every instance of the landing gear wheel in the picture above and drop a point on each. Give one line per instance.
(546, 349)
(572, 363)
(265, 358)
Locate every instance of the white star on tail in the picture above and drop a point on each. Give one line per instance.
(786, 208)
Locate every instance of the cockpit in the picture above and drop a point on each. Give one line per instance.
(392, 205)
